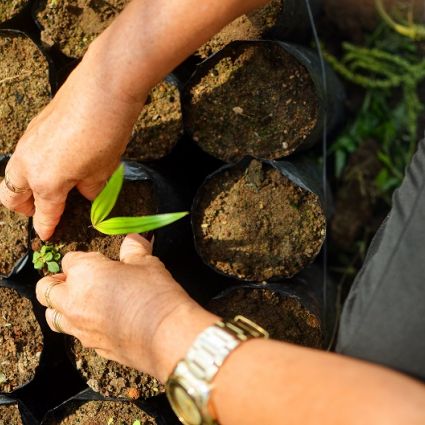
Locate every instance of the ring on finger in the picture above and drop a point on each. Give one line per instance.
(56, 322)
(13, 188)
(47, 293)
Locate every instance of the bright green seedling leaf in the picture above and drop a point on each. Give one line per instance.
(53, 267)
(124, 225)
(38, 265)
(106, 199)
(105, 202)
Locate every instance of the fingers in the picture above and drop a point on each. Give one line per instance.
(58, 322)
(134, 248)
(91, 190)
(75, 258)
(51, 292)
(48, 212)
(15, 193)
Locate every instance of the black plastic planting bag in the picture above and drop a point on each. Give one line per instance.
(57, 414)
(301, 173)
(26, 416)
(330, 101)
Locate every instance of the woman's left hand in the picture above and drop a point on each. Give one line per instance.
(131, 311)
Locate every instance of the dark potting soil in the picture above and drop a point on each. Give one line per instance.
(9, 415)
(72, 25)
(24, 87)
(75, 232)
(103, 413)
(247, 27)
(159, 125)
(110, 378)
(255, 224)
(257, 101)
(21, 341)
(13, 238)
(283, 316)
(9, 9)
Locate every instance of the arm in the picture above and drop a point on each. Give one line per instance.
(77, 140)
(261, 382)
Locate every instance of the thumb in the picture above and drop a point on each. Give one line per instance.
(134, 248)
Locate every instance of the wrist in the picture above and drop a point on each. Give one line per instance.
(176, 333)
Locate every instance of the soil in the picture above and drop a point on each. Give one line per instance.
(255, 224)
(283, 316)
(356, 200)
(71, 25)
(101, 413)
(110, 378)
(356, 17)
(75, 232)
(159, 125)
(255, 100)
(24, 87)
(247, 27)
(9, 9)
(21, 341)
(9, 415)
(13, 239)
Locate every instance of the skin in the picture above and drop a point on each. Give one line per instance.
(77, 141)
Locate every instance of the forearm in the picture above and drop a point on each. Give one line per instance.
(270, 382)
(151, 37)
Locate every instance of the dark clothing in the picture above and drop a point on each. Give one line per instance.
(383, 319)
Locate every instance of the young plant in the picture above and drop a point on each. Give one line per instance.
(48, 258)
(107, 199)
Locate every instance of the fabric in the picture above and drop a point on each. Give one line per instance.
(383, 319)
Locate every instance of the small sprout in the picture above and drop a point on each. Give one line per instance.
(107, 199)
(48, 258)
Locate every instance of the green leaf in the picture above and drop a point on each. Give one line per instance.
(53, 267)
(57, 256)
(137, 422)
(43, 249)
(106, 199)
(124, 225)
(48, 257)
(35, 256)
(39, 264)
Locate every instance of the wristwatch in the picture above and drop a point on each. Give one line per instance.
(189, 387)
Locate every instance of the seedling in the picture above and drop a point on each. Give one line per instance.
(107, 199)
(47, 258)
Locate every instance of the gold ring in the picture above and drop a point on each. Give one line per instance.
(12, 187)
(47, 293)
(56, 322)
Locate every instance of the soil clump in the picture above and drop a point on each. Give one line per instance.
(21, 341)
(282, 315)
(255, 100)
(24, 87)
(75, 231)
(253, 223)
(110, 378)
(10, 415)
(159, 125)
(11, 8)
(101, 413)
(71, 25)
(251, 26)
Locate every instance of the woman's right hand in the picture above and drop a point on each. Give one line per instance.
(76, 141)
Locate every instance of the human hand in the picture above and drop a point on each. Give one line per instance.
(77, 140)
(131, 311)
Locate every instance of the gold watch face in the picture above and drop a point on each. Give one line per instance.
(183, 404)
